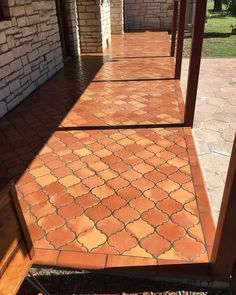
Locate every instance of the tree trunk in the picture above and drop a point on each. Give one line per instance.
(217, 6)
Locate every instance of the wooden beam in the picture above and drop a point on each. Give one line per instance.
(233, 280)
(180, 41)
(174, 27)
(195, 60)
(224, 250)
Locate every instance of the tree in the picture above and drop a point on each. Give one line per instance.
(217, 6)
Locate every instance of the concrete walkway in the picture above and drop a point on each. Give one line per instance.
(215, 122)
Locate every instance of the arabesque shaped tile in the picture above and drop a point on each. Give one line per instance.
(91, 192)
(122, 241)
(139, 229)
(155, 245)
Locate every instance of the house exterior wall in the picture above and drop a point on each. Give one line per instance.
(148, 14)
(30, 46)
(30, 50)
(106, 23)
(117, 17)
(73, 26)
(94, 25)
(90, 25)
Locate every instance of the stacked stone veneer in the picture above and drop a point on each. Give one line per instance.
(117, 17)
(73, 26)
(94, 25)
(106, 23)
(148, 14)
(30, 50)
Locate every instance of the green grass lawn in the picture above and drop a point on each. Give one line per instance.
(218, 40)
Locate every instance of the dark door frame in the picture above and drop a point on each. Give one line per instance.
(63, 27)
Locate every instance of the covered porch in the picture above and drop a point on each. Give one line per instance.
(106, 174)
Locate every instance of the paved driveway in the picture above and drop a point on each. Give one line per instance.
(215, 122)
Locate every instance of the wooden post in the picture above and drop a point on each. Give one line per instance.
(180, 41)
(233, 280)
(195, 60)
(174, 27)
(224, 250)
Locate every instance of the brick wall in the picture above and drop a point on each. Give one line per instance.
(30, 50)
(148, 14)
(117, 17)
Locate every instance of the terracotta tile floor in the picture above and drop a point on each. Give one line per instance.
(127, 103)
(108, 198)
(153, 45)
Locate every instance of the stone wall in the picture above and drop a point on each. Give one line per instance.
(148, 14)
(30, 50)
(90, 25)
(94, 25)
(73, 27)
(106, 23)
(117, 17)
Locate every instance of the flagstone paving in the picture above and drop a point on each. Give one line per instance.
(103, 198)
(215, 123)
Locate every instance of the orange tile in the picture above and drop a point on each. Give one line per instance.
(98, 212)
(116, 261)
(46, 180)
(155, 176)
(29, 188)
(168, 185)
(80, 224)
(126, 214)
(143, 184)
(170, 206)
(46, 257)
(61, 172)
(155, 245)
(142, 204)
(69, 180)
(122, 241)
(129, 193)
(60, 236)
(42, 209)
(140, 229)
(40, 171)
(81, 260)
(87, 200)
(93, 181)
(171, 231)
(70, 211)
(98, 192)
(92, 238)
(51, 222)
(189, 247)
(114, 202)
(36, 232)
(110, 225)
(118, 183)
(155, 217)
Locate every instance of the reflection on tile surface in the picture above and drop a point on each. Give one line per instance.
(107, 198)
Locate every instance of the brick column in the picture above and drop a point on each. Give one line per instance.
(94, 25)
